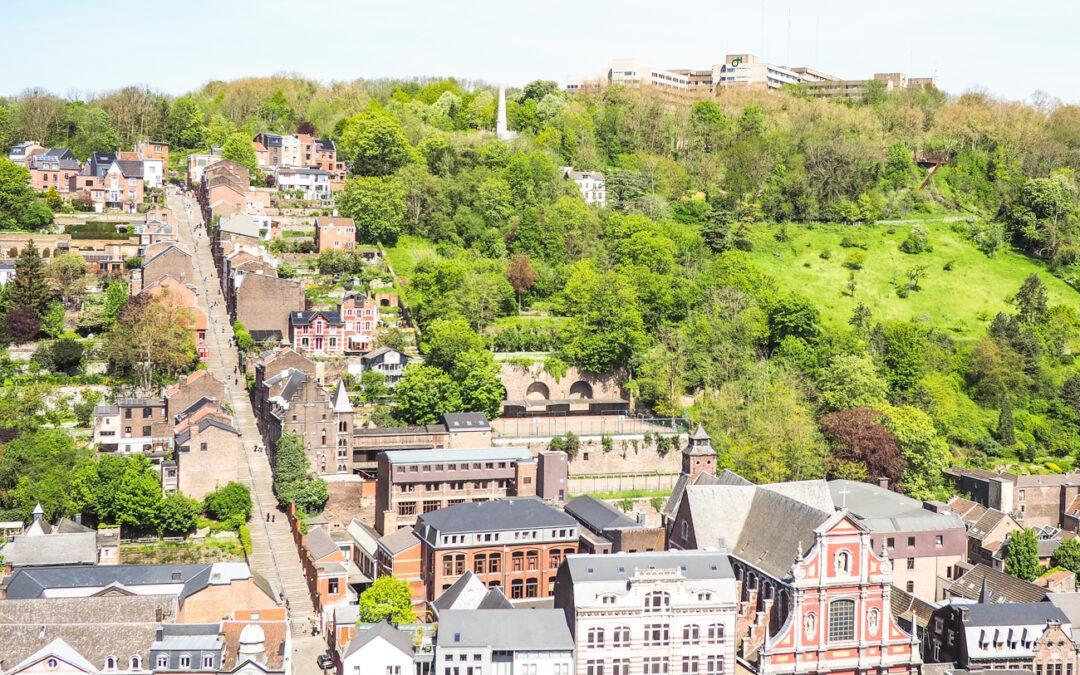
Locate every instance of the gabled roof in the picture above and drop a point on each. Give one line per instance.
(466, 421)
(131, 168)
(62, 651)
(882, 510)
(55, 548)
(468, 592)
(305, 318)
(505, 630)
(1012, 614)
(399, 639)
(241, 224)
(1002, 587)
(501, 514)
(597, 515)
(318, 543)
(399, 540)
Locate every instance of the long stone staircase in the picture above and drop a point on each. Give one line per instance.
(274, 553)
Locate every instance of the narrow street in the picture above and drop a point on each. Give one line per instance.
(274, 553)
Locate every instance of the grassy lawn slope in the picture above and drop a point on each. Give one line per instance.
(961, 301)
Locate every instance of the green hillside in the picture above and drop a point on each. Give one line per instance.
(961, 301)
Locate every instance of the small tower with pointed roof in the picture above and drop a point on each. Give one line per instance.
(698, 456)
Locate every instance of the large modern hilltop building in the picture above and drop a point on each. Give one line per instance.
(741, 70)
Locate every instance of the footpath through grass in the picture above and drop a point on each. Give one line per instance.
(961, 302)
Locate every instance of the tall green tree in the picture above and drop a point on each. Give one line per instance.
(20, 207)
(30, 288)
(605, 329)
(375, 143)
(185, 126)
(424, 393)
(444, 340)
(1022, 555)
(1067, 555)
(377, 205)
(388, 599)
(239, 149)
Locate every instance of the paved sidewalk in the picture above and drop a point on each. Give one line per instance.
(274, 553)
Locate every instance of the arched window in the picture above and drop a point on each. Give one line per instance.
(495, 563)
(52, 664)
(657, 601)
(715, 633)
(110, 663)
(691, 633)
(480, 563)
(841, 620)
(135, 663)
(596, 638)
(621, 636)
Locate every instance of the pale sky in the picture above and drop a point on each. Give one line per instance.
(1010, 49)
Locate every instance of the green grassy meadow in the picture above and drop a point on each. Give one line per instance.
(961, 302)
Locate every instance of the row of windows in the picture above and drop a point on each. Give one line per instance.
(660, 665)
(491, 563)
(453, 485)
(656, 635)
(414, 468)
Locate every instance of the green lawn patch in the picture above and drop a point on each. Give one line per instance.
(960, 302)
(408, 251)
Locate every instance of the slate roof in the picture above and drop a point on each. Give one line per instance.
(597, 515)
(505, 630)
(1012, 614)
(55, 548)
(882, 510)
(501, 514)
(399, 639)
(493, 454)
(468, 592)
(399, 540)
(131, 168)
(305, 318)
(989, 519)
(29, 626)
(763, 527)
(32, 582)
(671, 506)
(1002, 587)
(318, 544)
(615, 566)
(466, 421)
(341, 399)
(264, 335)
(901, 603)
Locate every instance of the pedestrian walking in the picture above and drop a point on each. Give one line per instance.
(268, 517)
(273, 518)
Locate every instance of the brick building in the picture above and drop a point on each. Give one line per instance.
(400, 556)
(208, 455)
(413, 482)
(270, 364)
(348, 330)
(515, 544)
(333, 233)
(263, 304)
(616, 532)
(189, 389)
(1034, 500)
(322, 420)
(167, 260)
(132, 425)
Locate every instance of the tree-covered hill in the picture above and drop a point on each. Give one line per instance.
(738, 274)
